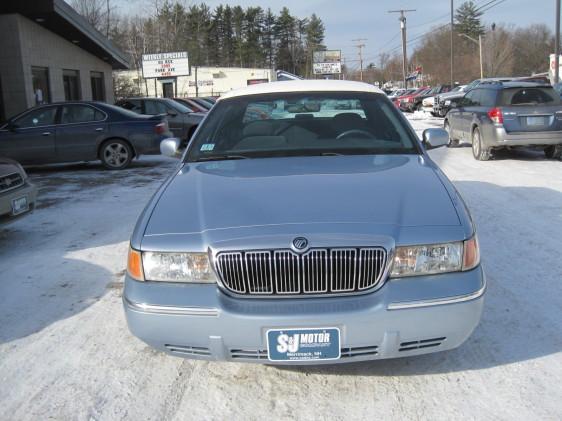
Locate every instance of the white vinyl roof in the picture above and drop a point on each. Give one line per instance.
(303, 86)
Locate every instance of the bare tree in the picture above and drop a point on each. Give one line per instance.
(498, 53)
(96, 12)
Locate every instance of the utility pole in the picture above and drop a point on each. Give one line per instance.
(402, 20)
(452, 45)
(557, 45)
(360, 46)
(479, 43)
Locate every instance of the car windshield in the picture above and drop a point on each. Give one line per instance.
(302, 124)
(179, 107)
(121, 110)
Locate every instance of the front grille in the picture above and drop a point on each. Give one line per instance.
(318, 271)
(261, 354)
(10, 181)
(188, 350)
(423, 343)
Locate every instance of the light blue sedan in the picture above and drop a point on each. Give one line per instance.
(326, 235)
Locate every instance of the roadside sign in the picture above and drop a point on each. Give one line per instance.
(326, 62)
(165, 65)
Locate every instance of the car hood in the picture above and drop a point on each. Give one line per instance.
(8, 166)
(450, 95)
(398, 190)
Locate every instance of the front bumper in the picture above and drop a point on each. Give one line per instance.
(408, 316)
(28, 190)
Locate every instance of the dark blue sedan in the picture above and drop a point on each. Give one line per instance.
(81, 131)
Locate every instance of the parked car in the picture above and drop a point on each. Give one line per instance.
(182, 120)
(17, 193)
(439, 104)
(81, 131)
(397, 93)
(507, 115)
(404, 101)
(192, 105)
(313, 238)
(443, 106)
(417, 103)
(203, 102)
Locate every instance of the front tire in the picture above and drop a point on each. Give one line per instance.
(116, 154)
(478, 150)
(553, 151)
(453, 143)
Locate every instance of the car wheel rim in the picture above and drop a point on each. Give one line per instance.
(476, 144)
(116, 155)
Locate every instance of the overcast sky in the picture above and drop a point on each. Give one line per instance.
(346, 20)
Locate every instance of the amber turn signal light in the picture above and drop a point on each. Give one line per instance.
(134, 265)
(471, 256)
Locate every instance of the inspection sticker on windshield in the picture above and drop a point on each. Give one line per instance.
(303, 344)
(207, 147)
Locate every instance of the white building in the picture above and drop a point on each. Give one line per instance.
(211, 81)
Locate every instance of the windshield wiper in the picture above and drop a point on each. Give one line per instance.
(220, 158)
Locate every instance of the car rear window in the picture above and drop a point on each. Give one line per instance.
(302, 124)
(529, 96)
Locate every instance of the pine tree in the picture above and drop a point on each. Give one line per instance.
(285, 31)
(268, 38)
(314, 40)
(229, 48)
(468, 20)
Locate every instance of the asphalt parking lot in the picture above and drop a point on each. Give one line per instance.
(66, 352)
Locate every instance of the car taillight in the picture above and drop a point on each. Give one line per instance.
(160, 128)
(496, 115)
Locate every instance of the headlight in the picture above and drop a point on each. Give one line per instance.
(435, 258)
(21, 171)
(448, 102)
(173, 267)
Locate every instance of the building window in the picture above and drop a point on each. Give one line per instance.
(98, 87)
(71, 82)
(40, 80)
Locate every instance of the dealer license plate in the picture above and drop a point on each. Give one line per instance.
(303, 344)
(20, 205)
(535, 121)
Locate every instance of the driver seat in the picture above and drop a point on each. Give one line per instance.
(347, 121)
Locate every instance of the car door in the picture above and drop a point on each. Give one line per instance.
(80, 130)
(470, 105)
(454, 117)
(30, 137)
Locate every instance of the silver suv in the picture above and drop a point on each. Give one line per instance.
(502, 115)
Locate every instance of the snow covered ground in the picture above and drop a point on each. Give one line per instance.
(66, 353)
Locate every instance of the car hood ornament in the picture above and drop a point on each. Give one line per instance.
(300, 244)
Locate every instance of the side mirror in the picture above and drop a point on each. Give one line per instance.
(11, 126)
(172, 113)
(170, 147)
(435, 138)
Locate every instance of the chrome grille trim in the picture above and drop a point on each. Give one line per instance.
(319, 271)
(10, 181)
